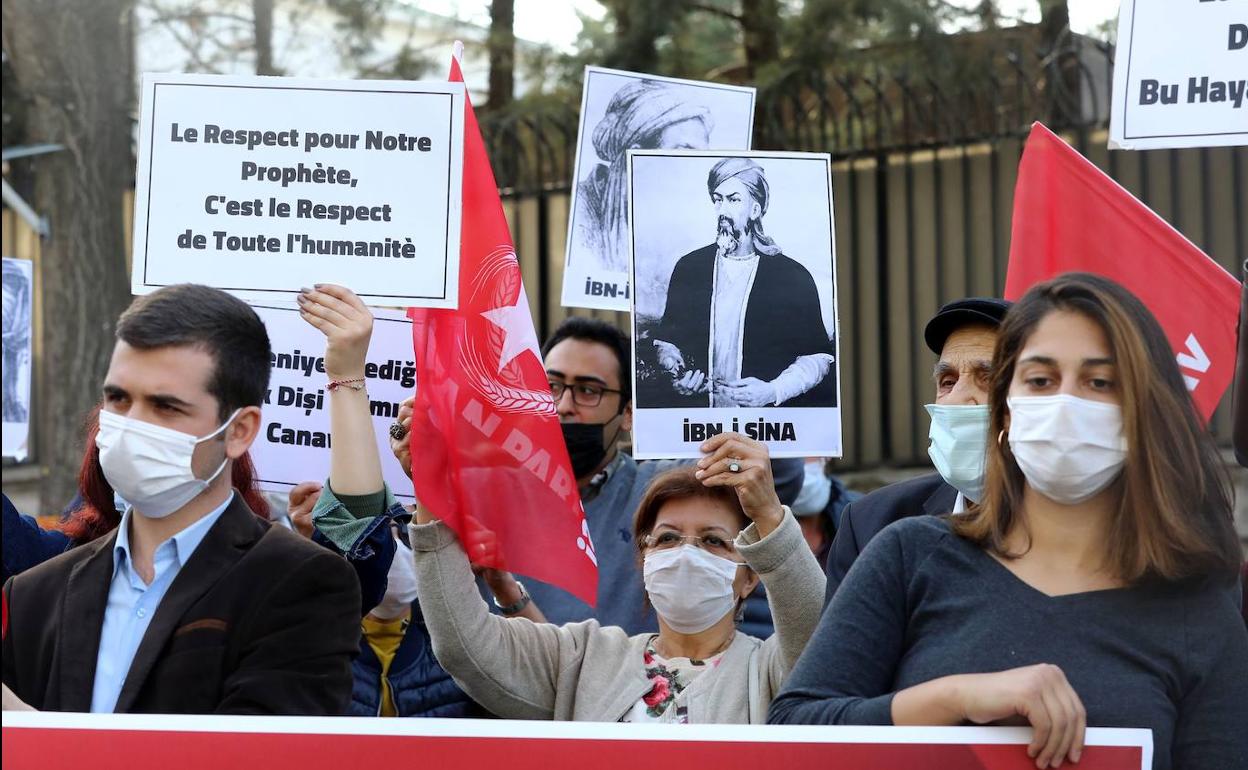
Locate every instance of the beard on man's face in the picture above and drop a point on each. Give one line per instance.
(727, 237)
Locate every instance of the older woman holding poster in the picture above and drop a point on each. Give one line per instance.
(1093, 585)
(705, 535)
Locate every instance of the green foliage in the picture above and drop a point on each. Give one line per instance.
(827, 29)
(702, 45)
(705, 39)
(639, 24)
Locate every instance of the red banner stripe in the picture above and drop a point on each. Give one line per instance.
(50, 749)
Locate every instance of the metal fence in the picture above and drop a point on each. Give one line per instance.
(923, 183)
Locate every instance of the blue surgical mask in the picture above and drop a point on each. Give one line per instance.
(959, 437)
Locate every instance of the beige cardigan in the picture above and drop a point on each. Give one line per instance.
(582, 671)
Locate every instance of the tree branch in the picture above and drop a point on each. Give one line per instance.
(716, 11)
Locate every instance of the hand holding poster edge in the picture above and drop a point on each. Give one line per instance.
(273, 259)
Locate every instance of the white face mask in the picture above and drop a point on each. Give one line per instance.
(400, 585)
(150, 466)
(816, 491)
(690, 588)
(1069, 448)
(959, 436)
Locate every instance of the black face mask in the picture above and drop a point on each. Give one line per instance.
(585, 446)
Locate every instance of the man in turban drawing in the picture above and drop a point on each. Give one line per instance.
(742, 325)
(643, 115)
(16, 339)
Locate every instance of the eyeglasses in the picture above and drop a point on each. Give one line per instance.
(583, 393)
(710, 543)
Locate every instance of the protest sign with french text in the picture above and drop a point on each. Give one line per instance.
(1180, 74)
(261, 186)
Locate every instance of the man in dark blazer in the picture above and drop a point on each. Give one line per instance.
(193, 604)
(962, 334)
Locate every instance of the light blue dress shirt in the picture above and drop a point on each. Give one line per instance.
(131, 602)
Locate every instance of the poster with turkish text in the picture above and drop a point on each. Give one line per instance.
(295, 439)
(1180, 75)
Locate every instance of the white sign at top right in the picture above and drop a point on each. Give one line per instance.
(1181, 74)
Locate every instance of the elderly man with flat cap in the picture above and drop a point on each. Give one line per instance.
(963, 334)
(742, 325)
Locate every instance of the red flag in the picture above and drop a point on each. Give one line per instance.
(489, 458)
(1070, 216)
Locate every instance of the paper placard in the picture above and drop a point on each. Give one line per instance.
(18, 301)
(622, 110)
(261, 186)
(1180, 75)
(294, 440)
(734, 308)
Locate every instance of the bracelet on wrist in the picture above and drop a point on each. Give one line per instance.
(353, 384)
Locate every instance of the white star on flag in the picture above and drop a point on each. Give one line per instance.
(517, 323)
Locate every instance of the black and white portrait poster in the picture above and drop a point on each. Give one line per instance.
(734, 308)
(18, 301)
(622, 111)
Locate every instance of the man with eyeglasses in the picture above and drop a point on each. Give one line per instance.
(587, 365)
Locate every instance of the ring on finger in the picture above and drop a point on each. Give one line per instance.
(734, 465)
(397, 430)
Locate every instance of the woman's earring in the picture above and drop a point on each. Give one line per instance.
(1001, 440)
